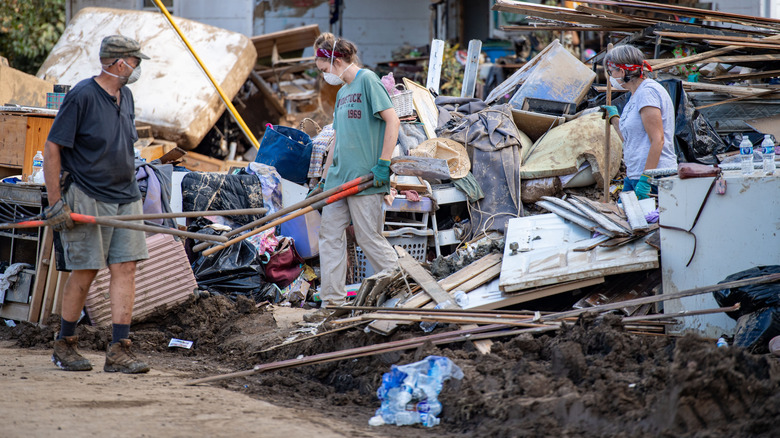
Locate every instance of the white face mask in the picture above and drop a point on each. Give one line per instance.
(616, 84)
(333, 79)
(134, 76)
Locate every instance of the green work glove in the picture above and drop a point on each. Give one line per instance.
(317, 189)
(381, 172)
(642, 189)
(57, 216)
(610, 111)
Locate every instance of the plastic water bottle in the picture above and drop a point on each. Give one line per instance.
(769, 154)
(37, 168)
(428, 326)
(746, 153)
(722, 343)
(461, 298)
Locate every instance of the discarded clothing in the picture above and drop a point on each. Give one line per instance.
(155, 182)
(319, 146)
(271, 184)
(469, 185)
(494, 142)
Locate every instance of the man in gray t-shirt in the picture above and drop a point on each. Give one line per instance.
(89, 169)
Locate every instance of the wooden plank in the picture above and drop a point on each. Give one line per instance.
(745, 76)
(15, 311)
(434, 65)
(767, 45)
(726, 89)
(576, 218)
(482, 278)
(425, 106)
(62, 278)
(286, 40)
(48, 295)
(704, 36)
(472, 69)
(268, 92)
(424, 279)
(526, 295)
(41, 272)
(636, 217)
(664, 63)
(609, 210)
(555, 13)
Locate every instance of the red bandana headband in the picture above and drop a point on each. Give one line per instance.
(631, 67)
(324, 53)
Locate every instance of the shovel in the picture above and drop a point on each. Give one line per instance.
(305, 203)
(314, 206)
(86, 219)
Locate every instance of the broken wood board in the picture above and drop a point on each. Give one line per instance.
(553, 259)
(287, 40)
(601, 219)
(634, 213)
(425, 106)
(566, 147)
(41, 272)
(465, 274)
(490, 297)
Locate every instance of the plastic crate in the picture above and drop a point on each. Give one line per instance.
(416, 246)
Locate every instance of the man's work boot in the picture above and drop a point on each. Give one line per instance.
(119, 358)
(66, 355)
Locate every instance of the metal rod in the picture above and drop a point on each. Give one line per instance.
(292, 208)
(315, 206)
(237, 212)
(244, 128)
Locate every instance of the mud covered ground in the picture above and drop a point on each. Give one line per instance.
(590, 379)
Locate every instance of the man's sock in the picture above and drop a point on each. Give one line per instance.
(67, 328)
(119, 331)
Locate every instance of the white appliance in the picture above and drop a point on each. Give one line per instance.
(735, 231)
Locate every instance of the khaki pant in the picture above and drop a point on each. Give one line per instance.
(367, 217)
(89, 246)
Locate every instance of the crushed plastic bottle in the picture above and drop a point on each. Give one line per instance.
(722, 343)
(409, 393)
(461, 298)
(428, 326)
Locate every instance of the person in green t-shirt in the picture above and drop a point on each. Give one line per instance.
(366, 128)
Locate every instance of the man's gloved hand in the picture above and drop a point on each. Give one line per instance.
(58, 216)
(317, 189)
(381, 172)
(610, 111)
(642, 189)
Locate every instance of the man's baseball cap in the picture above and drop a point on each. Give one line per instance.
(118, 46)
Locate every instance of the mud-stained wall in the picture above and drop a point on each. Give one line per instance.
(377, 26)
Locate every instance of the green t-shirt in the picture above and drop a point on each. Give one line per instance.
(360, 130)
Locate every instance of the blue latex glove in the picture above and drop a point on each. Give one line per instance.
(610, 111)
(381, 172)
(642, 189)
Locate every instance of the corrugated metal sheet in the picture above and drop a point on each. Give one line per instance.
(552, 258)
(165, 278)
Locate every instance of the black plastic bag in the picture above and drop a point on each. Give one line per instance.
(755, 330)
(750, 298)
(203, 191)
(235, 270)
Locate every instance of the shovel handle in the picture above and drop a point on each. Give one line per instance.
(315, 206)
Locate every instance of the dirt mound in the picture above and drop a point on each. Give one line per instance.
(589, 379)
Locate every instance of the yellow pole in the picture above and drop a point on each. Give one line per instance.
(228, 103)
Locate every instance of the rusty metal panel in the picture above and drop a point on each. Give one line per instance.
(164, 279)
(552, 258)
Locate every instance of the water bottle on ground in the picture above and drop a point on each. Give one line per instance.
(428, 326)
(746, 154)
(769, 154)
(461, 298)
(37, 168)
(722, 343)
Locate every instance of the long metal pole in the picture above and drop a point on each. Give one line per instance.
(228, 103)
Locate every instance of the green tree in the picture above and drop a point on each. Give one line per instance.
(28, 31)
